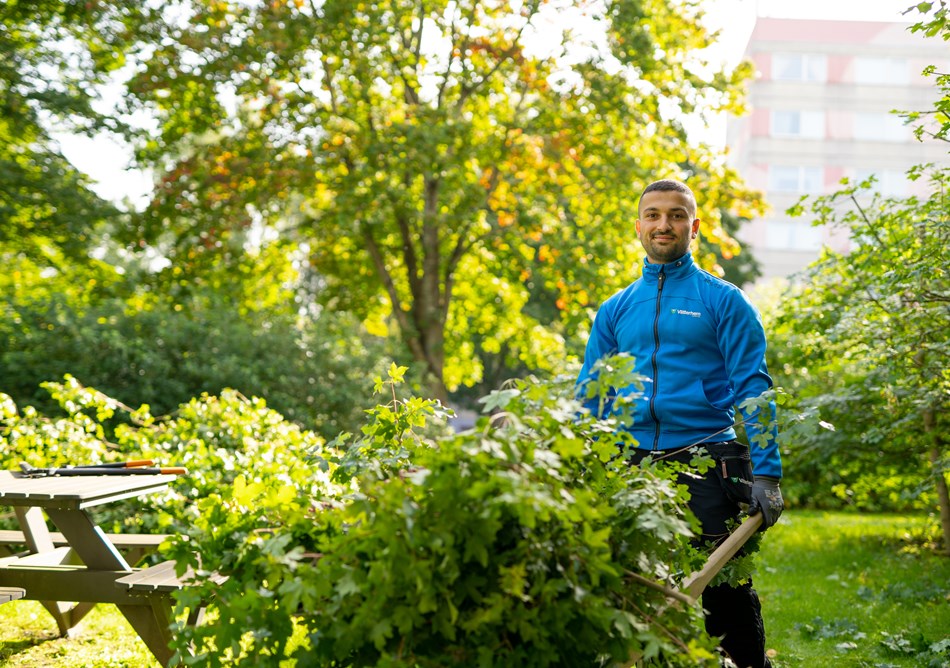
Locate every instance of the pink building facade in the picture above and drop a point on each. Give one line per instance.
(820, 112)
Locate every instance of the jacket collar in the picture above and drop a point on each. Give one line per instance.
(675, 269)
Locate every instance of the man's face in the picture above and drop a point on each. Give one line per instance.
(666, 225)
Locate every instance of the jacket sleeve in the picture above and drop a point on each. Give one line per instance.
(600, 344)
(742, 342)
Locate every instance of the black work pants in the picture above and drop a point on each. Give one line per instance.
(732, 613)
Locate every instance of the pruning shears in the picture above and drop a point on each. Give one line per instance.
(135, 467)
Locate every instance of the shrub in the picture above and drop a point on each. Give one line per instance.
(217, 438)
(524, 541)
(511, 544)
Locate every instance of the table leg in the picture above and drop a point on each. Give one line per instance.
(152, 623)
(151, 619)
(88, 540)
(67, 615)
(36, 535)
(34, 528)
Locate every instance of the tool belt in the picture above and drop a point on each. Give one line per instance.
(733, 466)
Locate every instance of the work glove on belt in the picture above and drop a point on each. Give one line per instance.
(767, 499)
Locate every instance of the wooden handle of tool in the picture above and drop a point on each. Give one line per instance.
(696, 583)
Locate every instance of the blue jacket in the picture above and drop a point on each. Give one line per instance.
(701, 343)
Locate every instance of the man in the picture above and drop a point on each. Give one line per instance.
(701, 344)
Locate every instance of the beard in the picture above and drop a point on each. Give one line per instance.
(661, 253)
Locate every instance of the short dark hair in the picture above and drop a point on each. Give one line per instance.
(668, 185)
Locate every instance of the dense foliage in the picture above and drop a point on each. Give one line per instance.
(46, 49)
(217, 438)
(523, 541)
(142, 342)
(440, 164)
(865, 343)
(72, 300)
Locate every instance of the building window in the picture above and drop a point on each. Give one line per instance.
(792, 235)
(805, 124)
(890, 183)
(804, 180)
(811, 67)
(880, 127)
(881, 71)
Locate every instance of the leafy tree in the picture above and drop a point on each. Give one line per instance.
(869, 330)
(933, 122)
(435, 161)
(51, 57)
(869, 327)
(868, 346)
(142, 341)
(225, 315)
(735, 264)
(505, 545)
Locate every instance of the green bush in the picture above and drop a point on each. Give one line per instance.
(511, 544)
(139, 345)
(523, 541)
(216, 438)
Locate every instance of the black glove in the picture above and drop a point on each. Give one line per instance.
(767, 498)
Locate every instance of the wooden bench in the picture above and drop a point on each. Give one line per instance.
(160, 580)
(156, 584)
(133, 546)
(8, 594)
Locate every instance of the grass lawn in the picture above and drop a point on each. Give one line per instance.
(849, 590)
(838, 590)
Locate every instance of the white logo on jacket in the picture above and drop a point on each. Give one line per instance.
(679, 311)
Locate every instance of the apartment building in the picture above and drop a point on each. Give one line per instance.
(820, 111)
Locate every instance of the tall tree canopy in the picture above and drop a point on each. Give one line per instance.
(114, 322)
(440, 162)
(51, 56)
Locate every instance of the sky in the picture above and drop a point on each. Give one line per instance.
(106, 161)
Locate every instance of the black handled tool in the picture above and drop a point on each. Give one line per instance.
(135, 463)
(34, 472)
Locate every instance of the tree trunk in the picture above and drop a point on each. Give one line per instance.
(943, 495)
(422, 325)
(433, 342)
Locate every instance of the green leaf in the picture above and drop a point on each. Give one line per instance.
(498, 399)
(397, 373)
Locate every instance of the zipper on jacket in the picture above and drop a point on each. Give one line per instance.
(661, 277)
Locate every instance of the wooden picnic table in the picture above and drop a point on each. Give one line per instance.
(69, 580)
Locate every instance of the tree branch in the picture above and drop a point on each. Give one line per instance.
(663, 589)
(413, 45)
(453, 35)
(458, 252)
(408, 248)
(506, 55)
